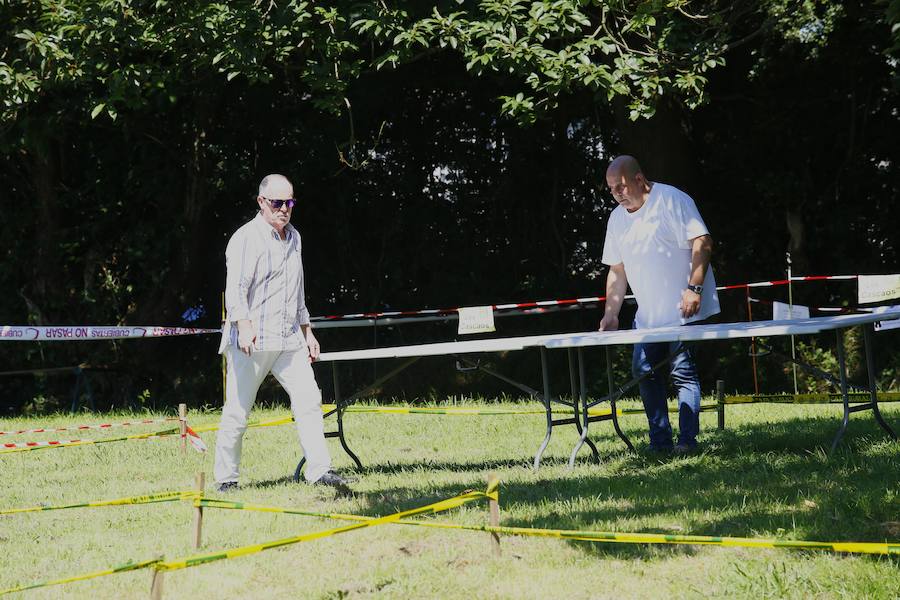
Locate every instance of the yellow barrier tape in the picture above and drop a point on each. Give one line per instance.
(591, 536)
(436, 507)
(658, 538)
(592, 412)
(829, 398)
(270, 423)
(147, 499)
(138, 436)
(454, 411)
(130, 566)
(457, 411)
(397, 410)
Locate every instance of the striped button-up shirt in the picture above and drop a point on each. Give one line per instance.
(264, 283)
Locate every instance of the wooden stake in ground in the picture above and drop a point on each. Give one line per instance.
(494, 506)
(720, 402)
(198, 511)
(182, 419)
(156, 585)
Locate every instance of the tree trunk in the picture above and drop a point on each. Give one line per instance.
(661, 144)
(43, 293)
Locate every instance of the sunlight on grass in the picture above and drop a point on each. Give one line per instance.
(766, 475)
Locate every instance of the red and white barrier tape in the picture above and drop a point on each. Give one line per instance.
(13, 333)
(832, 309)
(84, 427)
(450, 311)
(40, 444)
(785, 281)
(195, 440)
(192, 436)
(566, 302)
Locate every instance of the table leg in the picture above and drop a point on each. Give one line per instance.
(842, 365)
(582, 404)
(547, 407)
(612, 402)
(341, 406)
(572, 385)
(873, 394)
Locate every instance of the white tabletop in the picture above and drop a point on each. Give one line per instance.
(441, 348)
(718, 331)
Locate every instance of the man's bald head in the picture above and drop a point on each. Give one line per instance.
(275, 186)
(627, 183)
(624, 165)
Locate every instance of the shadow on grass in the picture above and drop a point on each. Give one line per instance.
(769, 480)
(272, 483)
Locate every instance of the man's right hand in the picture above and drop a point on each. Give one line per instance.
(609, 322)
(246, 336)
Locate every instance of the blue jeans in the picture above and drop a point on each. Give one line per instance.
(654, 392)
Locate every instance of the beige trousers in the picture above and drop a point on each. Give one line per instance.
(244, 376)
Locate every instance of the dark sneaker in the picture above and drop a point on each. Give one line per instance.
(332, 479)
(228, 486)
(685, 449)
(659, 450)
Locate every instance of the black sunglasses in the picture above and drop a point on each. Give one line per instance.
(276, 204)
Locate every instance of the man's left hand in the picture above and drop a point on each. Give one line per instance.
(313, 345)
(690, 303)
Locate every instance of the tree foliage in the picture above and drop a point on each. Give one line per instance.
(445, 153)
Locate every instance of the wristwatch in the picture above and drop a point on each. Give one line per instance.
(697, 289)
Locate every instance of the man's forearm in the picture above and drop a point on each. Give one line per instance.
(701, 252)
(616, 286)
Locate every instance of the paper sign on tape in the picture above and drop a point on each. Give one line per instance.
(782, 311)
(476, 319)
(878, 288)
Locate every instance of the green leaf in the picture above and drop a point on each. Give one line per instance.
(97, 110)
(581, 19)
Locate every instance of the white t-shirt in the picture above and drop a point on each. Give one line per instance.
(654, 243)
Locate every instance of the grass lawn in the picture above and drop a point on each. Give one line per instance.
(767, 475)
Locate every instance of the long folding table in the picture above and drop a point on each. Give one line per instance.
(575, 343)
(730, 331)
(462, 352)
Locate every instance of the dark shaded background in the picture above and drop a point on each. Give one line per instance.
(443, 203)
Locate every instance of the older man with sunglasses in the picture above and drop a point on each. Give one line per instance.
(267, 330)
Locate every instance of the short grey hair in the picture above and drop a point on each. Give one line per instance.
(270, 179)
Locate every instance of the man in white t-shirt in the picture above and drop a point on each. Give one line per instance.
(657, 242)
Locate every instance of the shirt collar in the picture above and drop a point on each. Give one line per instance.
(268, 230)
